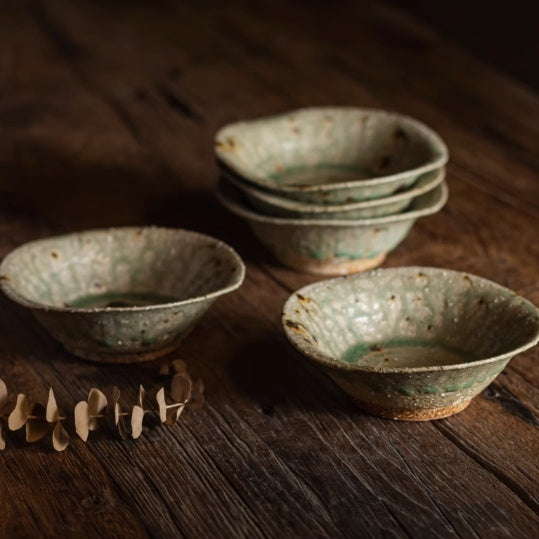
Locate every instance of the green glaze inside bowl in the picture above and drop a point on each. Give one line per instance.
(121, 295)
(409, 319)
(124, 268)
(329, 147)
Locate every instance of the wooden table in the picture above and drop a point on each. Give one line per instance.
(107, 115)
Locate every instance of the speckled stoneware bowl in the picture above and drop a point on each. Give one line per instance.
(411, 343)
(331, 155)
(333, 247)
(121, 295)
(276, 206)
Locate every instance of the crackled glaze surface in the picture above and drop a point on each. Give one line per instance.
(121, 295)
(278, 206)
(411, 343)
(331, 155)
(333, 246)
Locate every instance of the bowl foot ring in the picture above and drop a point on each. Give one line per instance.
(332, 267)
(415, 414)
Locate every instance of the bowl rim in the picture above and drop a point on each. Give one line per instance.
(6, 284)
(312, 352)
(299, 206)
(408, 215)
(436, 143)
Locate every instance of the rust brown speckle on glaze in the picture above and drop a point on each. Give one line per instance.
(228, 145)
(98, 311)
(270, 204)
(330, 153)
(400, 135)
(383, 163)
(294, 325)
(411, 360)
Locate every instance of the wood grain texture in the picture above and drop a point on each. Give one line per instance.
(107, 114)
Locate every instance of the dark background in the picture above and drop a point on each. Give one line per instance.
(504, 34)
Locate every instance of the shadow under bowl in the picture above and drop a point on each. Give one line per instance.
(333, 246)
(330, 155)
(121, 295)
(410, 343)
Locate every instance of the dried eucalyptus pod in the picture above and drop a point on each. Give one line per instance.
(168, 414)
(180, 390)
(137, 415)
(181, 387)
(39, 421)
(88, 413)
(196, 396)
(196, 399)
(60, 437)
(119, 414)
(3, 412)
(32, 415)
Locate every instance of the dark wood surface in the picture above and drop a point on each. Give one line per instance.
(480, 25)
(107, 114)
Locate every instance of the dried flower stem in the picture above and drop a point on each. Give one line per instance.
(40, 420)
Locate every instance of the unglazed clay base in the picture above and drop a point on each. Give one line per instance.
(320, 267)
(415, 414)
(410, 343)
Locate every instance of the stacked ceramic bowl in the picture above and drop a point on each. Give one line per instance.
(331, 190)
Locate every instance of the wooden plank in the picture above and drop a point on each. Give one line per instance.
(515, 269)
(278, 450)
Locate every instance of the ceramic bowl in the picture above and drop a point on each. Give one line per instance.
(333, 247)
(121, 295)
(411, 343)
(331, 155)
(269, 204)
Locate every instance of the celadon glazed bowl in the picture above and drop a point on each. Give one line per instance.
(333, 247)
(410, 343)
(331, 155)
(276, 206)
(121, 295)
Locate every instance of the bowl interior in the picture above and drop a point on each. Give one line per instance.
(327, 146)
(409, 318)
(126, 267)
